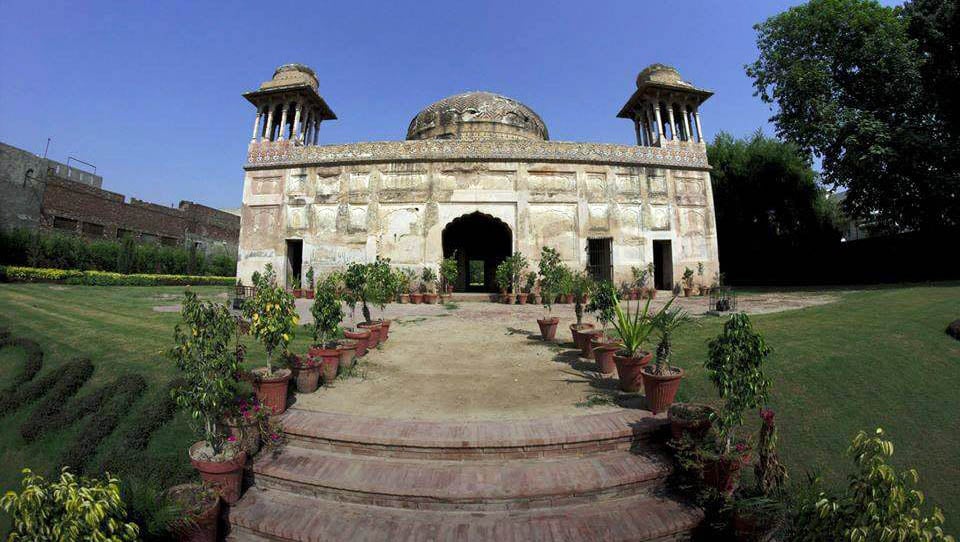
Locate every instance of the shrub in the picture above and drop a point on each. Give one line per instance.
(879, 503)
(113, 406)
(272, 313)
(65, 383)
(71, 508)
(634, 328)
(203, 354)
(449, 271)
(603, 302)
(31, 366)
(326, 310)
(102, 278)
(551, 276)
(667, 322)
(580, 285)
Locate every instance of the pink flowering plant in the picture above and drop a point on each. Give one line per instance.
(250, 412)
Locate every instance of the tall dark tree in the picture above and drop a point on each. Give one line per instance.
(772, 215)
(846, 77)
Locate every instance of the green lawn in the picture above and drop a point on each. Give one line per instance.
(877, 357)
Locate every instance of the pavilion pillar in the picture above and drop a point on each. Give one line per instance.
(656, 110)
(268, 128)
(295, 133)
(283, 122)
(673, 123)
(696, 119)
(256, 125)
(686, 122)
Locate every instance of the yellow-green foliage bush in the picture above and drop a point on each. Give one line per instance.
(103, 278)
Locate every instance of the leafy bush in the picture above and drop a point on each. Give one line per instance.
(102, 278)
(272, 313)
(667, 322)
(879, 503)
(31, 366)
(326, 310)
(449, 271)
(581, 284)
(603, 303)
(71, 508)
(552, 273)
(634, 328)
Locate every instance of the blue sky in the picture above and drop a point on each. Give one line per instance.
(150, 91)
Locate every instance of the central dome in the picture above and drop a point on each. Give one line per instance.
(475, 116)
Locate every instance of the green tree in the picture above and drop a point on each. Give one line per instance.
(326, 310)
(845, 76)
(272, 313)
(552, 273)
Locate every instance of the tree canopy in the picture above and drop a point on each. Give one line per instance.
(871, 91)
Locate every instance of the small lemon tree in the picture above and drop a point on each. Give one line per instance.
(273, 315)
(552, 276)
(327, 311)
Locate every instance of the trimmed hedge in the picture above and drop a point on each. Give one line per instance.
(65, 384)
(103, 278)
(31, 366)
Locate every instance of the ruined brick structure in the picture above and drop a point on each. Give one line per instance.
(41, 193)
(477, 179)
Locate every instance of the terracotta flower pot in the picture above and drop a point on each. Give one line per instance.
(576, 331)
(534, 299)
(328, 362)
(548, 328)
(416, 298)
(246, 433)
(306, 376)
(634, 294)
(722, 474)
(271, 389)
(687, 292)
(586, 342)
(507, 299)
(374, 329)
(695, 424)
(348, 352)
(384, 330)
(751, 527)
(200, 511)
(603, 350)
(362, 336)
(430, 298)
(404, 298)
(309, 294)
(568, 298)
(630, 369)
(522, 298)
(297, 293)
(660, 389)
(225, 475)
(652, 293)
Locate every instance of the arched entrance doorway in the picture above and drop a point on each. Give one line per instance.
(479, 242)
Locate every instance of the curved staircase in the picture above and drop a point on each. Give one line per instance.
(596, 477)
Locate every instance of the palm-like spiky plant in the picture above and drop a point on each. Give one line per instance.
(667, 321)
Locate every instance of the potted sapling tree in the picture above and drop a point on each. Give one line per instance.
(602, 305)
(449, 272)
(309, 292)
(209, 364)
(580, 286)
(551, 279)
(687, 282)
(198, 512)
(661, 381)
(518, 266)
(383, 288)
(353, 278)
(296, 288)
(636, 287)
(704, 287)
(528, 287)
(634, 328)
(403, 294)
(566, 285)
(327, 314)
(360, 281)
(428, 279)
(273, 316)
(504, 279)
(650, 281)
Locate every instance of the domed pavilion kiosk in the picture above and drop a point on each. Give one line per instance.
(478, 178)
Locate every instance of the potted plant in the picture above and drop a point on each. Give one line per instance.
(580, 285)
(199, 512)
(602, 306)
(634, 328)
(203, 354)
(360, 287)
(566, 285)
(429, 281)
(530, 282)
(687, 282)
(273, 317)
(704, 287)
(327, 314)
(635, 287)
(449, 271)
(384, 287)
(518, 266)
(551, 278)
(308, 292)
(249, 425)
(650, 281)
(295, 288)
(504, 279)
(758, 511)
(735, 364)
(348, 353)
(352, 332)
(661, 381)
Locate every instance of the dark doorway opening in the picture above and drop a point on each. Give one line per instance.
(663, 265)
(479, 242)
(294, 262)
(600, 258)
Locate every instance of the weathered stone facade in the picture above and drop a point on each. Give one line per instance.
(394, 199)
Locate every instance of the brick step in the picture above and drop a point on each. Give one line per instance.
(548, 437)
(461, 485)
(263, 515)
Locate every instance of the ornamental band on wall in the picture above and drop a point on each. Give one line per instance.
(484, 161)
